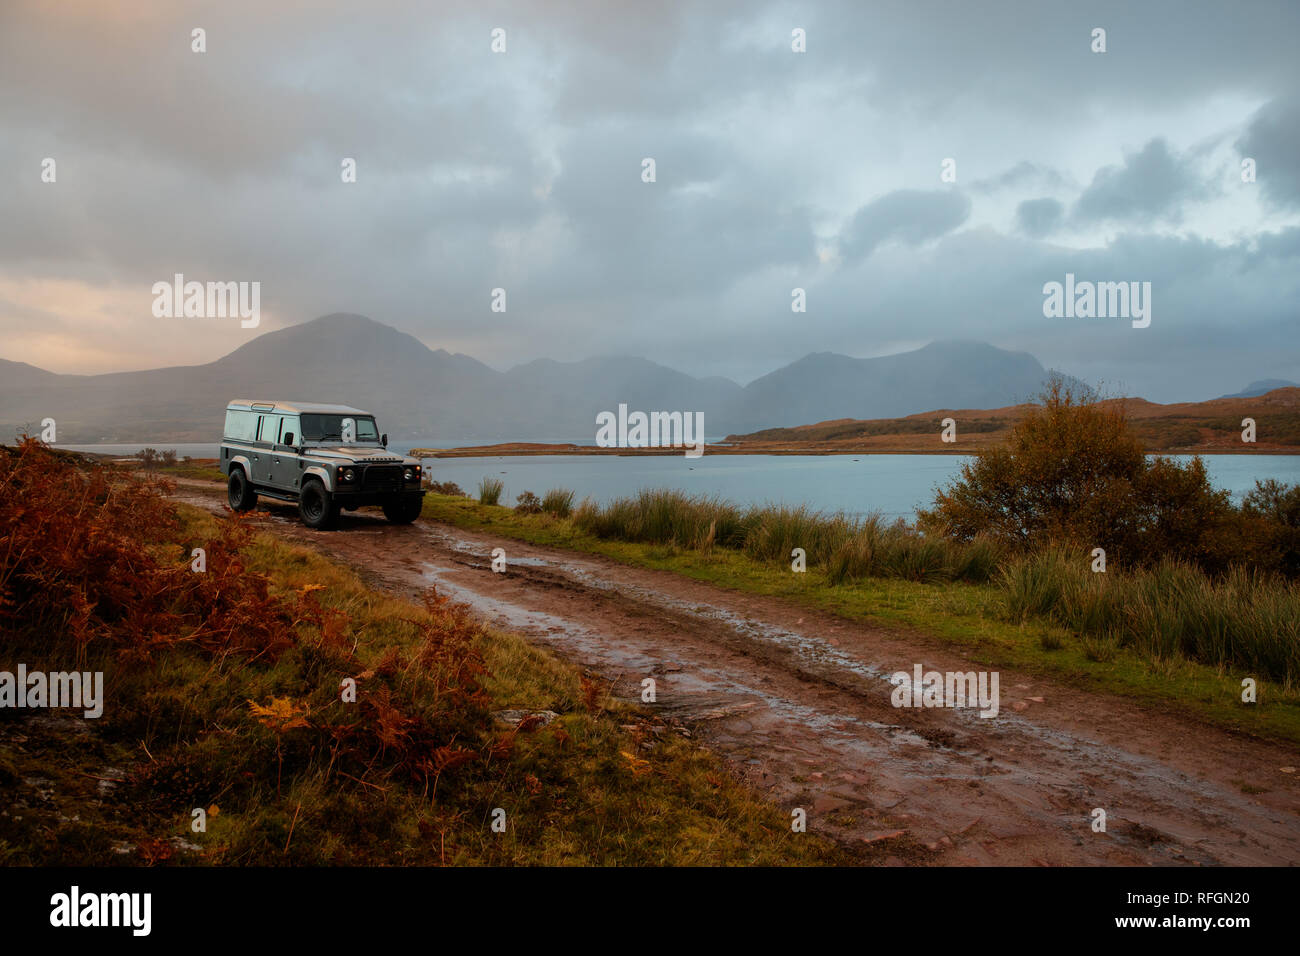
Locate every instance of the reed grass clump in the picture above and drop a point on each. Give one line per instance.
(848, 548)
(558, 502)
(489, 491)
(1244, 619)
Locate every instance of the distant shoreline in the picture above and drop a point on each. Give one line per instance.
(963, 447)
(528, 449)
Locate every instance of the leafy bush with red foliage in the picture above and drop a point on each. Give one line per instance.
(83, 559)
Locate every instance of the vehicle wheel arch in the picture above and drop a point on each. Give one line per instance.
(318, 473)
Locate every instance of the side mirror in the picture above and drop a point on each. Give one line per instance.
(288, 439)
(383, 439)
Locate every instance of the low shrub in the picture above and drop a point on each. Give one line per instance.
(444, 488)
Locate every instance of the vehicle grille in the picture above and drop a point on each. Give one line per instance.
(382, 478)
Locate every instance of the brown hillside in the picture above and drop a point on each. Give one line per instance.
(1212, 427)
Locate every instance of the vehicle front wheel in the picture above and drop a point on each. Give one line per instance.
(402, 510)
(239, 492)
(317, 506)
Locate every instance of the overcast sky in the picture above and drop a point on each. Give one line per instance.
(775, 170)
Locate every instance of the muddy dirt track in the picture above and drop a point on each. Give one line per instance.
(799, 704)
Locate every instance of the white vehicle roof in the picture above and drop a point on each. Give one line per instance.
(293, 408)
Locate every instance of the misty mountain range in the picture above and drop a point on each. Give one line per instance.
(423, 394)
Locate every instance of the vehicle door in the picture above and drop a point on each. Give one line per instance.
(259, 451)
(284, 456)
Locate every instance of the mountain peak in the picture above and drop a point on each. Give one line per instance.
(943, 374)
(342, 320)
(1263, 386)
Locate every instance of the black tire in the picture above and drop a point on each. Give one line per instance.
(402, 510)
(239, 491)
(316, 506)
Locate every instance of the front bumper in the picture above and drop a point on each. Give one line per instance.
(359, 499)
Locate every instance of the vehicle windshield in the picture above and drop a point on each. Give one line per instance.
(340, 428)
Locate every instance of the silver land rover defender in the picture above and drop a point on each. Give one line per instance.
(325, 457)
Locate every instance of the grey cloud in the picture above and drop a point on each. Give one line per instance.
(265, 92)
(1273, 140)
(701, 224)
(1024, 173)
(923, 57)
(1151, 184)
(1284, 244)
(939, 57)
(908, 215)
(1039, 217)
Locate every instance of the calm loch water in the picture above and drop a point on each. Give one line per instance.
(895, 485)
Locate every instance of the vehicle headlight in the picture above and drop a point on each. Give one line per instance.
(347, 474)
(409, 474)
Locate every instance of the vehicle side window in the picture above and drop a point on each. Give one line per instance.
(269, 431)
(241, 425)
(289, 424)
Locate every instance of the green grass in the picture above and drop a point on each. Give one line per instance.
(976, 619)
(199, 472)
(851, 549)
